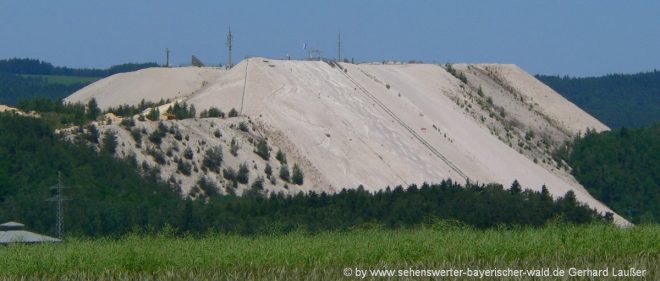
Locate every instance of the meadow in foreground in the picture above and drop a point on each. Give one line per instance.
(325, 255)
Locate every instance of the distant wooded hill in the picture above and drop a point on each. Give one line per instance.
(618, 100)
(31, 78)
(34, 66)
(620, 168)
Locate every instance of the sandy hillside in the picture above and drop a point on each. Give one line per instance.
(197, 136)
(385, 125)
(151, 84)
(4, 108)
(534, 92)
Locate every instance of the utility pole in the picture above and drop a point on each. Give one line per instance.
(230, 38)
(167, 57)
(338, 47)
(59, 198)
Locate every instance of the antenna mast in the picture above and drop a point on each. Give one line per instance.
(338, 47)
(167, 57)
(230, 38)
(59, 199)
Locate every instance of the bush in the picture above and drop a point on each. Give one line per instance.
(233, 113)
(280, 156)
(212, 112)
(284, 173)
(258, 184)
(183, 167)
(156, 137)
(213, 158)
(243, 174)
(262, 149)
(268, 170)
(529, 135)
(188, 153)
(297, 177)
(229, 174)
(455, 73)
(137, 135)
(233, 147)
(127, 123)
(243, 127)
(158, 156)
(163, 128)
(206, 185)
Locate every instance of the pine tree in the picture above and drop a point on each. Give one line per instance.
(93, 110)
(243, 173)
(297, 177)
(262, 149)
(154, 114)
(109, 142)
(284, 173)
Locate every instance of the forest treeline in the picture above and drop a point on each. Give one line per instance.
(621, 168)
(27, 79)
(14, 87)
(34, 66)
(617, 100)
(113, 196)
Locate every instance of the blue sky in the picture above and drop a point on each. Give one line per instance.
(586, 37)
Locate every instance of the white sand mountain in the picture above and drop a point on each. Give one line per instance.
(384, 125)
(151, 84)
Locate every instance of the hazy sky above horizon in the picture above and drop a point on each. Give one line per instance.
(587, 37)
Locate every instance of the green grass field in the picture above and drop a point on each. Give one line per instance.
(65, 80)
(325, 256)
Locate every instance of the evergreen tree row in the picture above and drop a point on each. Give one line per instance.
(14, 87)
(34, 66)
(621, 168)
(112, 196)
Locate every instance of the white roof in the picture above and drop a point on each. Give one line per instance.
(12, 224)
(23, 236)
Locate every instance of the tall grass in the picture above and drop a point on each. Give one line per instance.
(322, 256)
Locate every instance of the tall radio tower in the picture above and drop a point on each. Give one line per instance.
(167, 57)
(338, 47)
(230, 38)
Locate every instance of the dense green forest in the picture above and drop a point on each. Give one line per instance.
(618, 100)
(34, 66)
(622, 169)
(14, 87)
(31, 78)
(112, 196)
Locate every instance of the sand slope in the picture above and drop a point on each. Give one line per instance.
(385, 125)
(151, 84)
